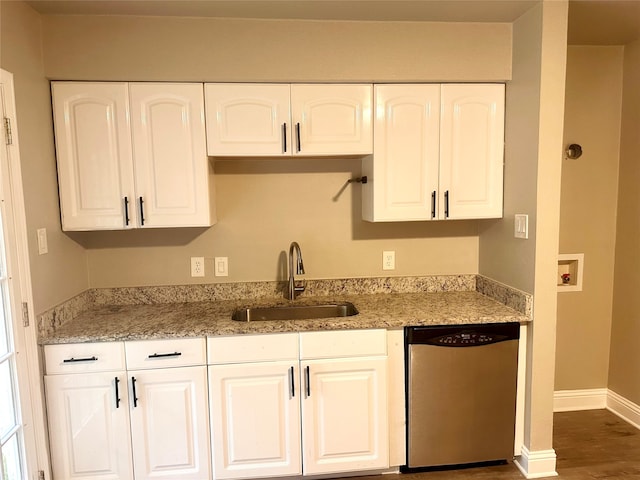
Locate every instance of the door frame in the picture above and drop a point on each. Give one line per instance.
(25, 338)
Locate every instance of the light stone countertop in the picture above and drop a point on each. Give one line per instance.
(200, 319)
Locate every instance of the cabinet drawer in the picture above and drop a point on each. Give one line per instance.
(343, 343)
(252, 348)
(84, 357)
(174, 352)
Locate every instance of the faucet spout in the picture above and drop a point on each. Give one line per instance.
(295, 289)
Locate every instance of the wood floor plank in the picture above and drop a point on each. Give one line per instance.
(590, 445)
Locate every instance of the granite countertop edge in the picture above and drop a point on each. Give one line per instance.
(205, 319)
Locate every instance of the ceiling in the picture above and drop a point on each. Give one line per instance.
(591, 22)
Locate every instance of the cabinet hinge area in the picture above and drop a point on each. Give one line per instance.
(40, 474)
(7, 131)
(25, 320)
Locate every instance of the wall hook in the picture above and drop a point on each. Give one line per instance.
(573, 151)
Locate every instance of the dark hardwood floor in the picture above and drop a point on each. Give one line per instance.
(593, 444)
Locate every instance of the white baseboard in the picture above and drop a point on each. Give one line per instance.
(625, 409)
(574, 400)
(540, 464)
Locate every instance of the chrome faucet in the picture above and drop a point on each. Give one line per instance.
(295, 290)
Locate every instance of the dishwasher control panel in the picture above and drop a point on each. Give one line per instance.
(462, 335)
(470, 338)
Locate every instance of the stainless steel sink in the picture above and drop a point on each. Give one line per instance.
(295, 312)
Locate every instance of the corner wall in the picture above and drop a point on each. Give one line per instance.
(624, 368)
(62, 273)
(588, 208)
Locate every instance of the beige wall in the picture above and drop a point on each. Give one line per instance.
(62, 273)
(263, 205)
(624, 371)
(588, 213)
(532, 186)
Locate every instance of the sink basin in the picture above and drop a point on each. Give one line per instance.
(295, 312)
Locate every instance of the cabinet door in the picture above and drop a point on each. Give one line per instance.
(332, 119)
(404, 170)
(471, 151)
(88, 428)
(255, 419)
(93, 144)
(344, 415)
(248, 119)
(169, 423)
(171, 164)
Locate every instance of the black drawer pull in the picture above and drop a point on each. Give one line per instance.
(298, 136)
(165, 355)
(141, 211)
(74, 360)
(446, 204)
(433, 204)
(308, 382)
(284, 138)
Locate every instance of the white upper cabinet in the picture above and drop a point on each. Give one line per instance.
(95, 163)
(332, 119)
(472, 151)
(439, 153)
(115, 175)
(248, 119)
(172, 171)
(284, 120)
(406, 145)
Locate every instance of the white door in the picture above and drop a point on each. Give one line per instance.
(93, 143)
(332, 119)
(170, 423)
(169, 150)
(23, 447)
(471, 151)
(248, 119)
(406, 154)
(89, 426)
(255, 419)
(344, 415)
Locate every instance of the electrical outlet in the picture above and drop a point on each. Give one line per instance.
(389, 260)
(197, 266)
(221, 268)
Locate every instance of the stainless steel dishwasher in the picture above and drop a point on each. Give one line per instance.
(460, 394)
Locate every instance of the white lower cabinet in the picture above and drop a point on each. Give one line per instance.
(276, 412)
(344, 415)
(88, 427)
(151, 422)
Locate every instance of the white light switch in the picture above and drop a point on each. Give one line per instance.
(221, 266)
(42, 241)
(521, 226)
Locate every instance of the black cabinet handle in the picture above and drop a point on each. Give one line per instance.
(74, 360)
(164, 355)
(446, 204)
(284, 138)
(117, 393)
(433, 204)
(308, 376)
(293, 385)
(133, 389)
(298, 136)
(126, 210)
(141, 211)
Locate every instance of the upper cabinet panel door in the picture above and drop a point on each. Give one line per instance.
(171, 164)
(93, 143)
(405, 163)
(332, 119)
(248, 119)
(472, 151)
